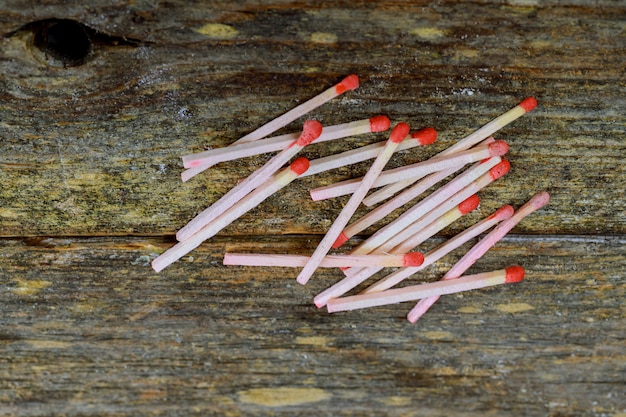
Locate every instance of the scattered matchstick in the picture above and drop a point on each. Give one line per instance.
(398, 134)
(269, 187)
(278, 143)
(312, 130)
(420, 138)
(406, 196)
(411, 259)
(485, 131)
(355, 276)
(417, 170)
(477, 251)
(509, 275)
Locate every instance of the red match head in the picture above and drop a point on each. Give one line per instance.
(469, 205)
(413, 259)
(300, 165)
(311, 130)
(498, 148)
(341, 239)
(379, 123)
(351, 82)
(514, 274)
(540, 199)
(425, 136)
(499, 170)
(503, 213)
(528, 104)
(399, 132)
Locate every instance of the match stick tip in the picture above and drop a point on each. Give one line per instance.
(413, 259)
(528, 104)
(379, 123)
(425, 136)
(469, 205)
(540, 199)
(351, 82)
(514, 274)
(498, 148)
(399, 132)
(499, 170)
(299, 165)
(341, 239)
(311, 130)
(503, 213)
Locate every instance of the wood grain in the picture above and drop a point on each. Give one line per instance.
(90, 193)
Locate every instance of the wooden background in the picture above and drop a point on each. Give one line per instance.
(90, 193)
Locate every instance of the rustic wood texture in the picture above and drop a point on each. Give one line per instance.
(91, 192)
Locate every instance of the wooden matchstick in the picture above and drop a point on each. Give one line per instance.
(509, 275)
(417, 170)
(355, 276)
(479, 249)
(442, 250)
(411, 259)
(406, 196)
(420, 138)
(398, 134)
(253, 199)
(487, 130)
(311, 131)
(278, 143)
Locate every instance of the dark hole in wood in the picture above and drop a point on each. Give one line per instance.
(65, 40)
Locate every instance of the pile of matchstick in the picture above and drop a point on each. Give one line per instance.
(474, 162)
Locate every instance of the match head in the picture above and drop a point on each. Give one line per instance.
(514, 274)
(425, 136)
(379, 123)
(300, 165)
(503, 213)
(498, 148)
(499, 170)
(351, 82)
(413, 259)
(469, 205)
(341, 239)
(528, 104)
(399, 132)
(540, 199)
(311, 130)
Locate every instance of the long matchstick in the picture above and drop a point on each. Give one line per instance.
(330, 261)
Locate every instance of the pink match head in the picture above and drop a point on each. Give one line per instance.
(300, 165)
(379, 123)
(540, 199)
(351, 82)
(425, 136)
(399, 132)
(503, 213)
(514, 274)
(311, 130)
(469, 205)
(413, 259)
(528, 104)
(498, 148)
(499, 170)
(341, 239)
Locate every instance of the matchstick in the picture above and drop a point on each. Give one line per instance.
(442, 200)
(355, 276)
(479, 249)
(509, 275)
(487, 130)
(398, 134)
(407, 195)
(442, 250)
(311, 131)
(278, 143)
(417, 170)
(269, 187)
(411, 259)
(420, 138)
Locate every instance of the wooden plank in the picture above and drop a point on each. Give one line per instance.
(87, 329)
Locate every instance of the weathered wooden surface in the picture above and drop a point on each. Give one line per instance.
(89, 167)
